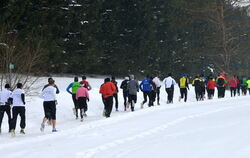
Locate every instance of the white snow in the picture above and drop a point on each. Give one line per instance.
(3, 44)
(216, 128)
(84, 22)
(75, 5)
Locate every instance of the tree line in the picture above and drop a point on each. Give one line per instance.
(127, 36)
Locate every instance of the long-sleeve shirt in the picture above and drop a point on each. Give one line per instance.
(82, 92)
(57, 89)
(169, 81)
(124, 85)
(157, 82)
(145, 85)
(211, 84)
(86, 84)
(133, 87)
(74, 86)
(4, 96)
(49, 93)
(18, 97)
(248, 83)
(233, 83)
(107, 89)
(183, 82)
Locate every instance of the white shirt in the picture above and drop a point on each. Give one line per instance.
(157, 82)
(17, 99)
(4, 96)
(49, 93)
(169, 81)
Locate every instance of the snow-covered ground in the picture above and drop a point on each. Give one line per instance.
(218, 128)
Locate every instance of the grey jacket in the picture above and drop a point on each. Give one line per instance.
(133, 87)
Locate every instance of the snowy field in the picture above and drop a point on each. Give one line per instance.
(218, 128)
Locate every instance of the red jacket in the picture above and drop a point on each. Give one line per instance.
(211, 84)
(237, 80)
(233, 83)
(86, 84)
(107, 89)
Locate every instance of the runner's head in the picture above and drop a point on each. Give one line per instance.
(7, 86)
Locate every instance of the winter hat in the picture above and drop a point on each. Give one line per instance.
(184, 75)
(84, 77)
(107, 80)
(76, 79)
(126, 78)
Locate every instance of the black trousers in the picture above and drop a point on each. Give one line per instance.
(75, 104)
(221, 92)
(75, 101)
(238, 90)
(116, 100)
(125, 97)
(183, 93)
(233, 91)
(170, 92)
(82, 104)
(152, 96)
(18, 110)
(146, 94)
(210, 93)
(198, 93)
(108, 105)
(132, 99)
(203, 92)
(244, 90)
(158, 94)
(5, 108)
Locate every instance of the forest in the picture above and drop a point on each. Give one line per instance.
(119, 37)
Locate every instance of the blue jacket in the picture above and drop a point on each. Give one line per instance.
(145, 85)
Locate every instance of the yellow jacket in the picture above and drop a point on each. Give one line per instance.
(184, 82)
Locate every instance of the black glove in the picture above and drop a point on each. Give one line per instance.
(88, 99)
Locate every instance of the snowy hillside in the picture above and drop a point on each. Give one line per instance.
(216, 128)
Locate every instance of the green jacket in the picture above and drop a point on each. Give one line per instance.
(74, 87)
(248, 83)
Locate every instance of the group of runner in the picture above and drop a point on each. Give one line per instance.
(13, 102)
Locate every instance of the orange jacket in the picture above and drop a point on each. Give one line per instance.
(107, 89)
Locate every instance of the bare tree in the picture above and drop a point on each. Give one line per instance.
(25, 55)
(230, 31)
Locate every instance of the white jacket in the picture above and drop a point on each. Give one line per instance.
(169, 81)
(49, 93)
(4, 96)
(157, 82)
(17, 97)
